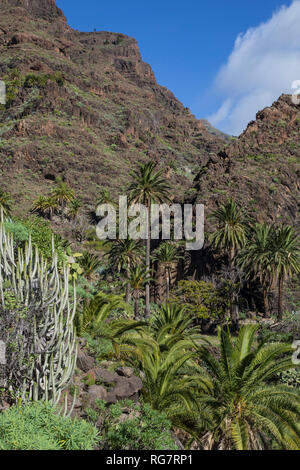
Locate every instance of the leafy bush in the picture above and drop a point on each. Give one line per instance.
(18, 230)
(127, 426)
(41, 80)
(201, 299)
(41, 235)
(290, 377)
(36, 426)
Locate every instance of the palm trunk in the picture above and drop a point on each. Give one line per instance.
(128, 284)
(127, 293)
(167, 283)
(233, 305)
(266, 301)
(136, 307)
(280, 289)
(148, 249)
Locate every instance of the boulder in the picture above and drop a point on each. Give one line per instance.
(84, 361)
(96, 392)
(105, 375)
(125, 371)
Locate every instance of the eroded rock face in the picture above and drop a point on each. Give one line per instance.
(38, 8)
(106, 115)
(84, 361)
(261, 168)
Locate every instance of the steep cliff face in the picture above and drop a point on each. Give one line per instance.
(84, 106)
(37, 8)
(261, 168)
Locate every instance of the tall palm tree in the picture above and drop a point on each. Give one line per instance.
(246, 410)
(255, 258)
(123, 256)
(285, 258)
(138, 277)
(230, 236)
(167, 254)
(148, 186)
(5, 202)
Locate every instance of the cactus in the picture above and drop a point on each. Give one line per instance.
(36, 322)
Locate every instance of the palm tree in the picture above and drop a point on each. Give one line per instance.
(123, 256)
(105, 198)
(285, 258)
(75, 206)
(246, 409)
(255, 258)
(231, 232)
(89, 263)
(167, 254)
(62, 194)
(96, 311)
(138, 277)
(148, 186)
(167, 385)
(5, 202)
(170, 324)
(230, 236)
(45, 206)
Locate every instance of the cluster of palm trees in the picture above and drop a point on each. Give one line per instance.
(263, 252)
(255, 252)
(61, 200)
(223, 400)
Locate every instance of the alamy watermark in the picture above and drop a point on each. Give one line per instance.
(2, 93)
(2, 353)
(137, 221)
(296, 355)
(296, 92)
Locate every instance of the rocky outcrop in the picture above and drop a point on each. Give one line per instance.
(46, 9)
(98, 383)
(261, 168)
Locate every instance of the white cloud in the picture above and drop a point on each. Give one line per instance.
(263, 64)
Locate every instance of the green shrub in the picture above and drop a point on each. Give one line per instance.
(32, 80)
(201, 299)
(41, 235)
(18, 230)
(36, 426)
(127, 426)
(291, 378)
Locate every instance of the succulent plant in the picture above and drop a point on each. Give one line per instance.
(36, 322)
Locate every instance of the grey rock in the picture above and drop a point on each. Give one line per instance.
(125, 371)
(105, 375)
(96, 392)
(84, 361)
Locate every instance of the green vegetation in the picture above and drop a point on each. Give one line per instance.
(37, 426)
(230, 391)
(141, 428)
(201, 299)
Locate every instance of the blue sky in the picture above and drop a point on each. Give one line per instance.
(187, 44)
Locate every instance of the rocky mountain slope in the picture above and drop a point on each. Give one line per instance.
(85, 107)
(261, 168)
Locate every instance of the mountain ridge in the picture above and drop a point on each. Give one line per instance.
(85, 107)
